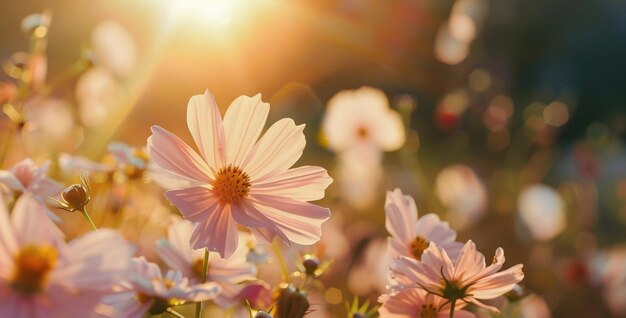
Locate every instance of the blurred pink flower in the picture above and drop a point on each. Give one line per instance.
(467, 278)
(371, 274)
(239, 180)
(42, 276)
(25, 177)
(229, 274)
(417, 303)
(362, 117)
(147, 291)
(114, 48)
(464, 195)
(411, 236)
(542, 210)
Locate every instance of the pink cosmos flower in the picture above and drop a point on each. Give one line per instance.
(147, 291)
(229, 274)
(417, 303)
(42, 276)
(25, 176)
(239, 178)
(467, 278)
(410, 236)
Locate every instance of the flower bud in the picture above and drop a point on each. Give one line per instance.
(292, 303)
(76, 197)
(311, 265)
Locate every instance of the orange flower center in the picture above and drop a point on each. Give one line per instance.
(362, 132)
(428, 311)
(32, 265)
(417, 247)
(231, 184)
(198, 267)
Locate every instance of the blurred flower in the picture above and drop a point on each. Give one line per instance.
(370, 275)
(98, 95)
(542, 209)
(363, 118)
(465, 279)
(411, 236)
(49, 121)
(417, 303)
(26, 177)
(359, 177)
(464, 195)
(229, 274)
(114, 48)
(37, 24)
(72, 164)
(239, 180)
(534, 306)
(42, 276)
(607, 269)
(147, 291)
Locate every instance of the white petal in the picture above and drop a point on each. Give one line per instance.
(305, 183)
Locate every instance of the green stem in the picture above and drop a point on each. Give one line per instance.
(281, 261)
(452, 304)
(205, 266)
(86, 216)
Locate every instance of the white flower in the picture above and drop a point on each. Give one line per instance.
(362, 117)
(542, 209)
(464, 195)
(114, 48)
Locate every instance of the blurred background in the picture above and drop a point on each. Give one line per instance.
(504, 102)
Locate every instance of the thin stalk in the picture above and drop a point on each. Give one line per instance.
(452, 304)
(281, 261)
(174, 313)
(205, 266)
(88, 218)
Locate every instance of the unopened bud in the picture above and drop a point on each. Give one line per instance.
(76, 197)
(292, 303)
(262, 314)
(311, 265)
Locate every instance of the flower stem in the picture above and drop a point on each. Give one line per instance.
(205, 266)
(174, 313)
(281, 261)
(86, 216)
(452, 304)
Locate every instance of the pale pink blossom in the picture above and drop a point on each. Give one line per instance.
(26, 177)
(239, 178)
(466, 278)
(372, 273)
(230, 274)
(147, 291)
(542, 210)
(42, 276)
(114, 48)
(417, 303)
(362, 117)
(411, 235)
(462, 193)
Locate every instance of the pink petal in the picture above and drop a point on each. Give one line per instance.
(279, 148)
(194, 203)
(305, 183)
(8, 240)
(10, 181)
(205, 124)
(173, 257)
(218, 232)
(243, 122)
(436, 261)
(95, 261)
(178, 235)
(470, 262)
(400, 215)
(203, 292)
(300, 222)
(32, 224)
(173, 155)
(497, 284)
